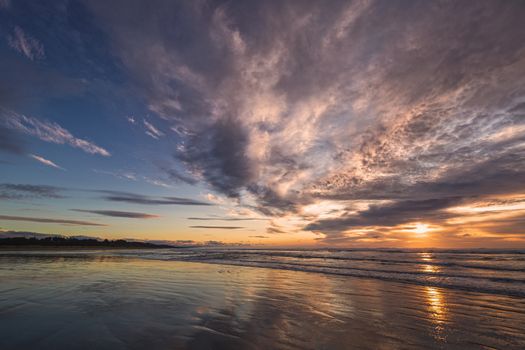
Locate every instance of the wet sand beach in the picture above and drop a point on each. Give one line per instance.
(73, 300)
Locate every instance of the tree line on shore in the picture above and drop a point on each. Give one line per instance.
(76, 242)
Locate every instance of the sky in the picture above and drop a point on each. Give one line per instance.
(277, 123)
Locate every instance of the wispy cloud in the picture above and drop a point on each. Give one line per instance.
(273, 229)
(132, 176)
(224, 219)
(152, 131)
(217, 227)
(118, 214)
(45, 161)
(24, 43)
(50, 220)
(177, 176)
(157, 182)
(24, 191)
(116, 196)
(49, 132)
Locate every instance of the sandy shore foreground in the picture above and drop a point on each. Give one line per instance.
(104, 302)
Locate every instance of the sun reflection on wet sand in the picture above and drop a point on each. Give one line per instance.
(188, 305)
(435, 299)
(437, 310)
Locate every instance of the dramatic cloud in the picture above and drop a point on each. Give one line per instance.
(45, 161)
(116, 196)
(47, 131)
(118, 214)
(23, 43)
(392, 214)
(340, 122)
(23, 191)
(49, 220)
(391, 112)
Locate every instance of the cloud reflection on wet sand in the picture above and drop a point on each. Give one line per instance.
(51, 302)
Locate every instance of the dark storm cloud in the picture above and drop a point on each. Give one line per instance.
(116, 196)
(118, 214)
(284, 104)
(220, 156)
(50, 220)
(25, 191)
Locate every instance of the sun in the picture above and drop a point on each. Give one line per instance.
(421, 228)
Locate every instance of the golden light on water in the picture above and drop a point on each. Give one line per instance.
(436, 304)
(426, 256)
(437, 310)
(434, 297)
(430, 269)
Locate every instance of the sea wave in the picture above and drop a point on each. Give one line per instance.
(497, 272)
(484, 285)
